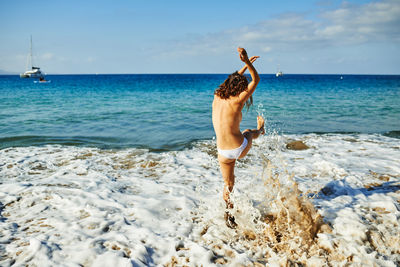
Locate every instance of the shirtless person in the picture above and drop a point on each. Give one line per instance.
(232, 144)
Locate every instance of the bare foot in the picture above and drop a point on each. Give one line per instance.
(260, 124)
(230, 220)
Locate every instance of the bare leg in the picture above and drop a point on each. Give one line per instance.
(227, 170)
(228, 166)
(253, 134)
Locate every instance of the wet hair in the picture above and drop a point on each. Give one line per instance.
(233, 86)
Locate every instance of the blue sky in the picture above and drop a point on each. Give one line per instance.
(325, 36)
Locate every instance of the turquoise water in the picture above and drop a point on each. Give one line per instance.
(168, 112)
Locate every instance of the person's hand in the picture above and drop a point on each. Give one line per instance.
(243, 54)
(253, 58)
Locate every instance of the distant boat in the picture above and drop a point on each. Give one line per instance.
(42, 80)
(278, 72)
(31, 71)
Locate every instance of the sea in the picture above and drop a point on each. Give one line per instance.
(122, 170)
(165, 112)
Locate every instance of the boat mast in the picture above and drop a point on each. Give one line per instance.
(29, 62)
(31, 57)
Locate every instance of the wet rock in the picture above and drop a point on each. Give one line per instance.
(296, 145)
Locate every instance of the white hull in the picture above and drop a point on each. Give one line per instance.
(31, 74)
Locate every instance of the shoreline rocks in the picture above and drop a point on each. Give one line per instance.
(296, 145)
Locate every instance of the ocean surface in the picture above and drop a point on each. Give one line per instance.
(168, 112)
(122, 170)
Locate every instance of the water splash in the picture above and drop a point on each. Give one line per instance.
(282, 226)
(292, 222)
(261, 110)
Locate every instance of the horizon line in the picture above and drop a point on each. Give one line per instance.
(199, 73)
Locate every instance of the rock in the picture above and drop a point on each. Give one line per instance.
(296, 145)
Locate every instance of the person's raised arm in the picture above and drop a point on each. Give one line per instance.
(243, 70)
(245, 95)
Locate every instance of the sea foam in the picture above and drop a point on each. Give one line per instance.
(335, 203)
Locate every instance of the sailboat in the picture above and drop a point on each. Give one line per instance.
(31, 71)
(278, 72)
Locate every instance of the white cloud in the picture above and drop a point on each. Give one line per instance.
(266, 49)
(47, 56)
(349, 24)
(91, 59)
(376, 21)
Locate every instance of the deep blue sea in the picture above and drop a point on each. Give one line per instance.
(169, 111)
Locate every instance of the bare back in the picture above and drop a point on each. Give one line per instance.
(226, 117)
(227, 113)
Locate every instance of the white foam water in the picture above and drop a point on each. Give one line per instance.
(336, 203)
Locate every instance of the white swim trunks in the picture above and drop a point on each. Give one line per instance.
(233, 153)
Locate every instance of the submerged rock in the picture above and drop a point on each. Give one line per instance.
(296, 145)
